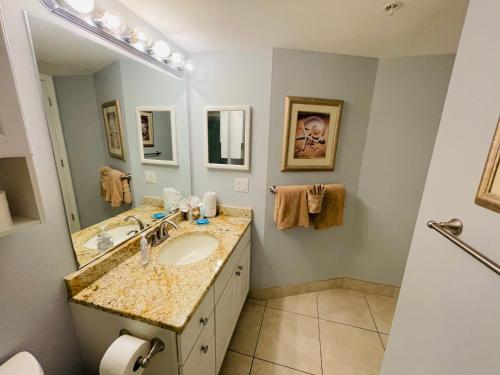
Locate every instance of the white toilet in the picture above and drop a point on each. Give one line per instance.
(22, 363)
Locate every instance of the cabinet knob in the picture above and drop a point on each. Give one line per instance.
(204, 321)
(238, 273)
(240, 267)
(204, 349)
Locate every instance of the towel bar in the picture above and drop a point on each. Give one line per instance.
(126, 177)
(453, 228)
(272, 189)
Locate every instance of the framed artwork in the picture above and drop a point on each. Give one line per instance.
(488, 193)
(147, 129)
(310, 133)
(113, 126)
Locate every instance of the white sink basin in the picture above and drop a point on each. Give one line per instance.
(119, 235)
(187, 249)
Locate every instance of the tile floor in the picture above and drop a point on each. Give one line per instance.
(331, 332)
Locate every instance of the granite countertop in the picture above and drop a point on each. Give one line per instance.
(164, 295)
(86, 255)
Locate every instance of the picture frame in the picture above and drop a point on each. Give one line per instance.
(310, 133)
(147, 128)
(113, 126)
(488, 192)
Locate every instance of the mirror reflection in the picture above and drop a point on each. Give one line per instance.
(227, 137)
(109, 116)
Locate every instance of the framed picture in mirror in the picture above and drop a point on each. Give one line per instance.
(227, 137)
(488, 193)
(310, 133)
(113, 126)
(147, 128)
(157, 135)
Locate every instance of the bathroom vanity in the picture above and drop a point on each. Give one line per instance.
(192, 307)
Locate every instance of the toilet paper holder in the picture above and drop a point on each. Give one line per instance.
(156, 346)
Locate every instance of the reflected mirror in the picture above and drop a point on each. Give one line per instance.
(157, 135)
(94, 97)
(227, 137)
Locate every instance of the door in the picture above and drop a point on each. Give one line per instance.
(60, 153)
(225, 320)
(447, 321)
(243, 278)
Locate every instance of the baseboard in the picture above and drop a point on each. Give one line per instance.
(315, 286)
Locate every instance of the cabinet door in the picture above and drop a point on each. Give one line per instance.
(243, 279)
(225, 313)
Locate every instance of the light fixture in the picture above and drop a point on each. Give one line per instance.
(140, 38)
(391, 8)
(78, 6)
(160, 50)
(188, 66)
(176, 60)
(112, 22)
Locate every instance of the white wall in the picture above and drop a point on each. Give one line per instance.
(447, 318)
(406, 109)
(233, 78)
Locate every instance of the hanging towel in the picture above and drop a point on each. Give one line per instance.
(315, 194)
(290, 207)
(114, 188)
(332, 209)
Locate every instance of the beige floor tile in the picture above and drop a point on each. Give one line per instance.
(384, 339)
(345, 306)
(266, 368)
(348, 350)
(246, 332)
(235, 364)
(301, 304)
(382, 308)
(257, 301)
(290, 340)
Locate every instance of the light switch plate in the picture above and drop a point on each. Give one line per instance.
(149, 176)
(241, 184)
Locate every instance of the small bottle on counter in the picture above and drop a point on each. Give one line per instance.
(144, 250)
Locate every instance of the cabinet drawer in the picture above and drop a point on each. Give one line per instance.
(201, 361)
(227, 271)
(187, 338)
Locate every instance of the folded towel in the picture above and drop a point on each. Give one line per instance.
(290, 207)
(332, 209)
(315, 195)
(114, 188)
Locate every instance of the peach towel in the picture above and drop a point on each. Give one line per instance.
(290, 207)
(315, 194)
(114, 189)
(332, 209)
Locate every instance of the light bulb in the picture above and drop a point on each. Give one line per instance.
(188, 66)
(112, 22)
(176, 60)
(140, 38)
(79, 6)
(160, 50)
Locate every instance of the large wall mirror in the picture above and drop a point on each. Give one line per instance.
(227, 137)
(157, 135)
(94, 98)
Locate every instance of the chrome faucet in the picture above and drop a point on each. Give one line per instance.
(139, 221)
(161, 234)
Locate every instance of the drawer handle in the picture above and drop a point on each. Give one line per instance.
(238, 273)
(240, 268)
(204, 349)
(204, 321)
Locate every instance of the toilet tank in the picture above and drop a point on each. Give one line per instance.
(22, 363)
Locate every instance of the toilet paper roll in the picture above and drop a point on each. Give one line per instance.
(210, 204)
(121, 356)
(5, 217)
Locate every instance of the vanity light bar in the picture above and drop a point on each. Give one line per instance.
(87, 23)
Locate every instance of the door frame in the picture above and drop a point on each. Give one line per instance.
(60, 153)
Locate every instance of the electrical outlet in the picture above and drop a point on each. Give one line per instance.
(241, 184)
(150, 177)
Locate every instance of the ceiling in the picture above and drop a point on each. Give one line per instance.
(355, 27)
(74, 54)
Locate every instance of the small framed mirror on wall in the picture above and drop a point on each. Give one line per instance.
(227, 137)
(488, 194)
(157, 135)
